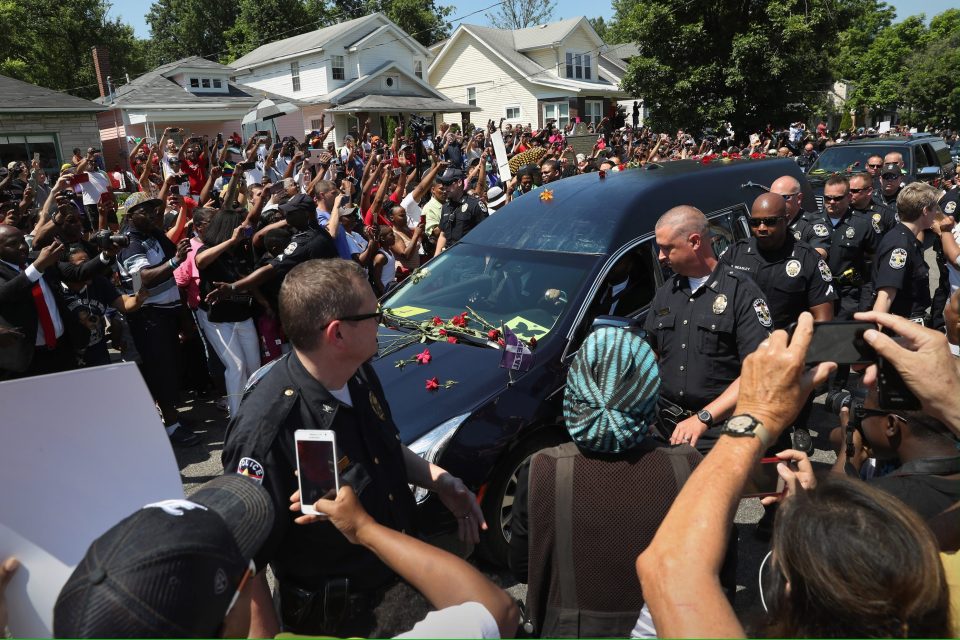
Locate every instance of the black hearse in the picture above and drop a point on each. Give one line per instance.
(482, 428)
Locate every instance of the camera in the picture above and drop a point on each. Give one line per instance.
(419, 125)
(836, 400)
(106, 240)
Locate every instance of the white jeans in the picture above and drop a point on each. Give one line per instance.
(238, 347)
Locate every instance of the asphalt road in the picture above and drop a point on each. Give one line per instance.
(202, 463)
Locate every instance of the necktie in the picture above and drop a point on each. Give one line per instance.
(43, 314)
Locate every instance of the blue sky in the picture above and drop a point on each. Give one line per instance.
(133, 11)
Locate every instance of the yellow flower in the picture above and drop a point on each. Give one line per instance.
(546, 195)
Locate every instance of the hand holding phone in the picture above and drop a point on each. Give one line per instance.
(765, 481)
(317, 473)
(839, 341)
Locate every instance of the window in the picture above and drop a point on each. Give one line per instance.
(353, 125)
(194, 83)
(513, 113)
(20, 148)
(336, 63)
(559, 111)
(578, 66)
(295, 75)
(205, 83)
(418, 68)
(317, 125)
(217, 83)
(472, 96)
(592, 111)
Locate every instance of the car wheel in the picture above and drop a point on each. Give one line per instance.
(498, 500)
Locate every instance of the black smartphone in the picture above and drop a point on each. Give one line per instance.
(892, 390)
(246, 165)
(839, 341)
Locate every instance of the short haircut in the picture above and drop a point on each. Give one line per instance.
(861, 175)
(837, 179)
(685, 220)
(317, 292)
(323, 186)
(914, 198)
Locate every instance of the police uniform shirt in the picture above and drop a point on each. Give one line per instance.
(882, 218)
(805, 228)
(260, 444)
(458, 218)
(900, 265)
(306, 245)
(793, 278)
(948, 203)
(702, 337)
(851, 241)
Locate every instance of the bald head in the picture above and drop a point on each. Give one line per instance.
(894, 156)
(788, 188)
(768, 205)
(684, 220)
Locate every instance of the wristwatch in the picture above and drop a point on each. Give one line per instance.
(745, 425)
(705, 417)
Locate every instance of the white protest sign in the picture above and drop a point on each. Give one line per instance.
(884, 127)
(81, 451)
(503, 162)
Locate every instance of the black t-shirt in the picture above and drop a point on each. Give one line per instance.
(900, 265)
(89, 306)
(928, 495)
(230, 266)
(311, 244)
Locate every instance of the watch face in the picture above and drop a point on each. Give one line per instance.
(740, 424)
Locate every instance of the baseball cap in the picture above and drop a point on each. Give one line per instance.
(451, 175)
(891, 168)
(140, 200)
(172, 569)
(612, 391)
(299, 203)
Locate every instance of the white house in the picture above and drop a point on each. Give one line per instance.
(367, 67)
(561, 70)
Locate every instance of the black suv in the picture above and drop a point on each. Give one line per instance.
(926, 157)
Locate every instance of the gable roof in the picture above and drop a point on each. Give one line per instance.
(546, 35)
(343, 93)
(16, 95)
(156, 88)
(623, 51)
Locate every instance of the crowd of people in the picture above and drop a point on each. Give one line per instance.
(229, 254)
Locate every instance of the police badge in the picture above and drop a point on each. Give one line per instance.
(763, 312)
(719, 304)
(950, 207)
(797, 235)
(821, 230)
(290, 248)
(850, 232)
(898, 258)
(251, 468)
(875, 221)
(793, 268)
(825, 271)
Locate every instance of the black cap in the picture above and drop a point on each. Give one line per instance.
(451, 175)
(891, 169)
(300, 203)
(169, 570)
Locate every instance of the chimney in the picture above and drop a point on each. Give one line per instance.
(101, 64)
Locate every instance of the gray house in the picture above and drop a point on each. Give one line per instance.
(37, 120)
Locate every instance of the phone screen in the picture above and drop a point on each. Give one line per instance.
(765, 480)
(136, 281)
(839, 341)
(318, 470)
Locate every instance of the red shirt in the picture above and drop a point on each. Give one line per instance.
(196, 172)
(381, 220)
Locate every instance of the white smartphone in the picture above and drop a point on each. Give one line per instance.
(136, 281)
(316, 467)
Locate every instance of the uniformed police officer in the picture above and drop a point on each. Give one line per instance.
(310, 242)
(891, 182)
(882, 218)
(802, 224)
(791, 275)
(901, 275)
(702, 322)
(461, 212)
(326, 585)
(852, 241)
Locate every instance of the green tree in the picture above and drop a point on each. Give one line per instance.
(702, 63)
(425, 20)
(182, 28)
(520, 14)
(931, 95)
(261, 21)
(600, 26)
(49, 43)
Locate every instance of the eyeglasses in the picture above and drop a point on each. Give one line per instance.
(852, 190)
(875, 166)
(378, 314)
(871, 413)
(770, 222)
(889, 176)
(834, 198)
(787, 196)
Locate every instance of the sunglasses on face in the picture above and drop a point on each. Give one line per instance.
(874, 166)
(860, 190)
(787, 196)
(769, 222)
(889, 176)
(834, 198)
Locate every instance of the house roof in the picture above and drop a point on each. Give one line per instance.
(393, 104)
(623, 51)
(156, 88)
(305, 42)
(543, 35)
(16, 96)
(343, 93)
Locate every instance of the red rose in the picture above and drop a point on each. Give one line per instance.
(451, 340)
(755, 155)
(423, 357)
(433, 384)
(493, 334)
(443, 332)
(501, 342)
(437, 320)
(602, 173)
(460, 320)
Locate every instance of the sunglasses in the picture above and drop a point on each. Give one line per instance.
(770, 222)
(378, 314)
(875, 166)
(852, 190)
(787, 196)
(834, 198)
(889, 176)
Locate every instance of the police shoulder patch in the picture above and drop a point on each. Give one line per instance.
(898, 258)
(825, 271)
(797, 235)
(290, 248)
(821, 230)
(950, 207)
(763, 312)
(482, 206)
(251, 468)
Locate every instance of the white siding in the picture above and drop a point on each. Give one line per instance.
(546, 58)
(275, 78)
(579, 42)
(470, 64)
(382, 49)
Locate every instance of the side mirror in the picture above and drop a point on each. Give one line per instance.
(928, 173)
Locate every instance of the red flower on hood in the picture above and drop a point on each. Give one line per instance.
(443, 332)
(493, 334)
(433, 384)
(437, 320)
(451, 340)
(755, 155)
(423, 357)
(460, 320)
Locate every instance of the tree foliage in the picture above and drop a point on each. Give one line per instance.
(600, 26)
(261, 21)
(931, 95)
(49, 43)
(425, 20)
(520, 14)
(182, 28)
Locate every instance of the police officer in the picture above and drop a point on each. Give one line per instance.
(310, 242)
(702, 322)
(804, 225)
(852, 241)
(793, 277)
(326, 585)
(901, 275)
(461, 212)
(882, 218)
(891, 182)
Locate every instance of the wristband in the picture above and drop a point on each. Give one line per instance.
(955, 350)
(174, 263)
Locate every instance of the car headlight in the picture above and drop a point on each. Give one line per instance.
(430, 446)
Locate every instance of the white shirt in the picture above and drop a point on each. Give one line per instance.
(97, 185)
(467, 620)
(412, 207)
(35, 276)
(696, 283)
